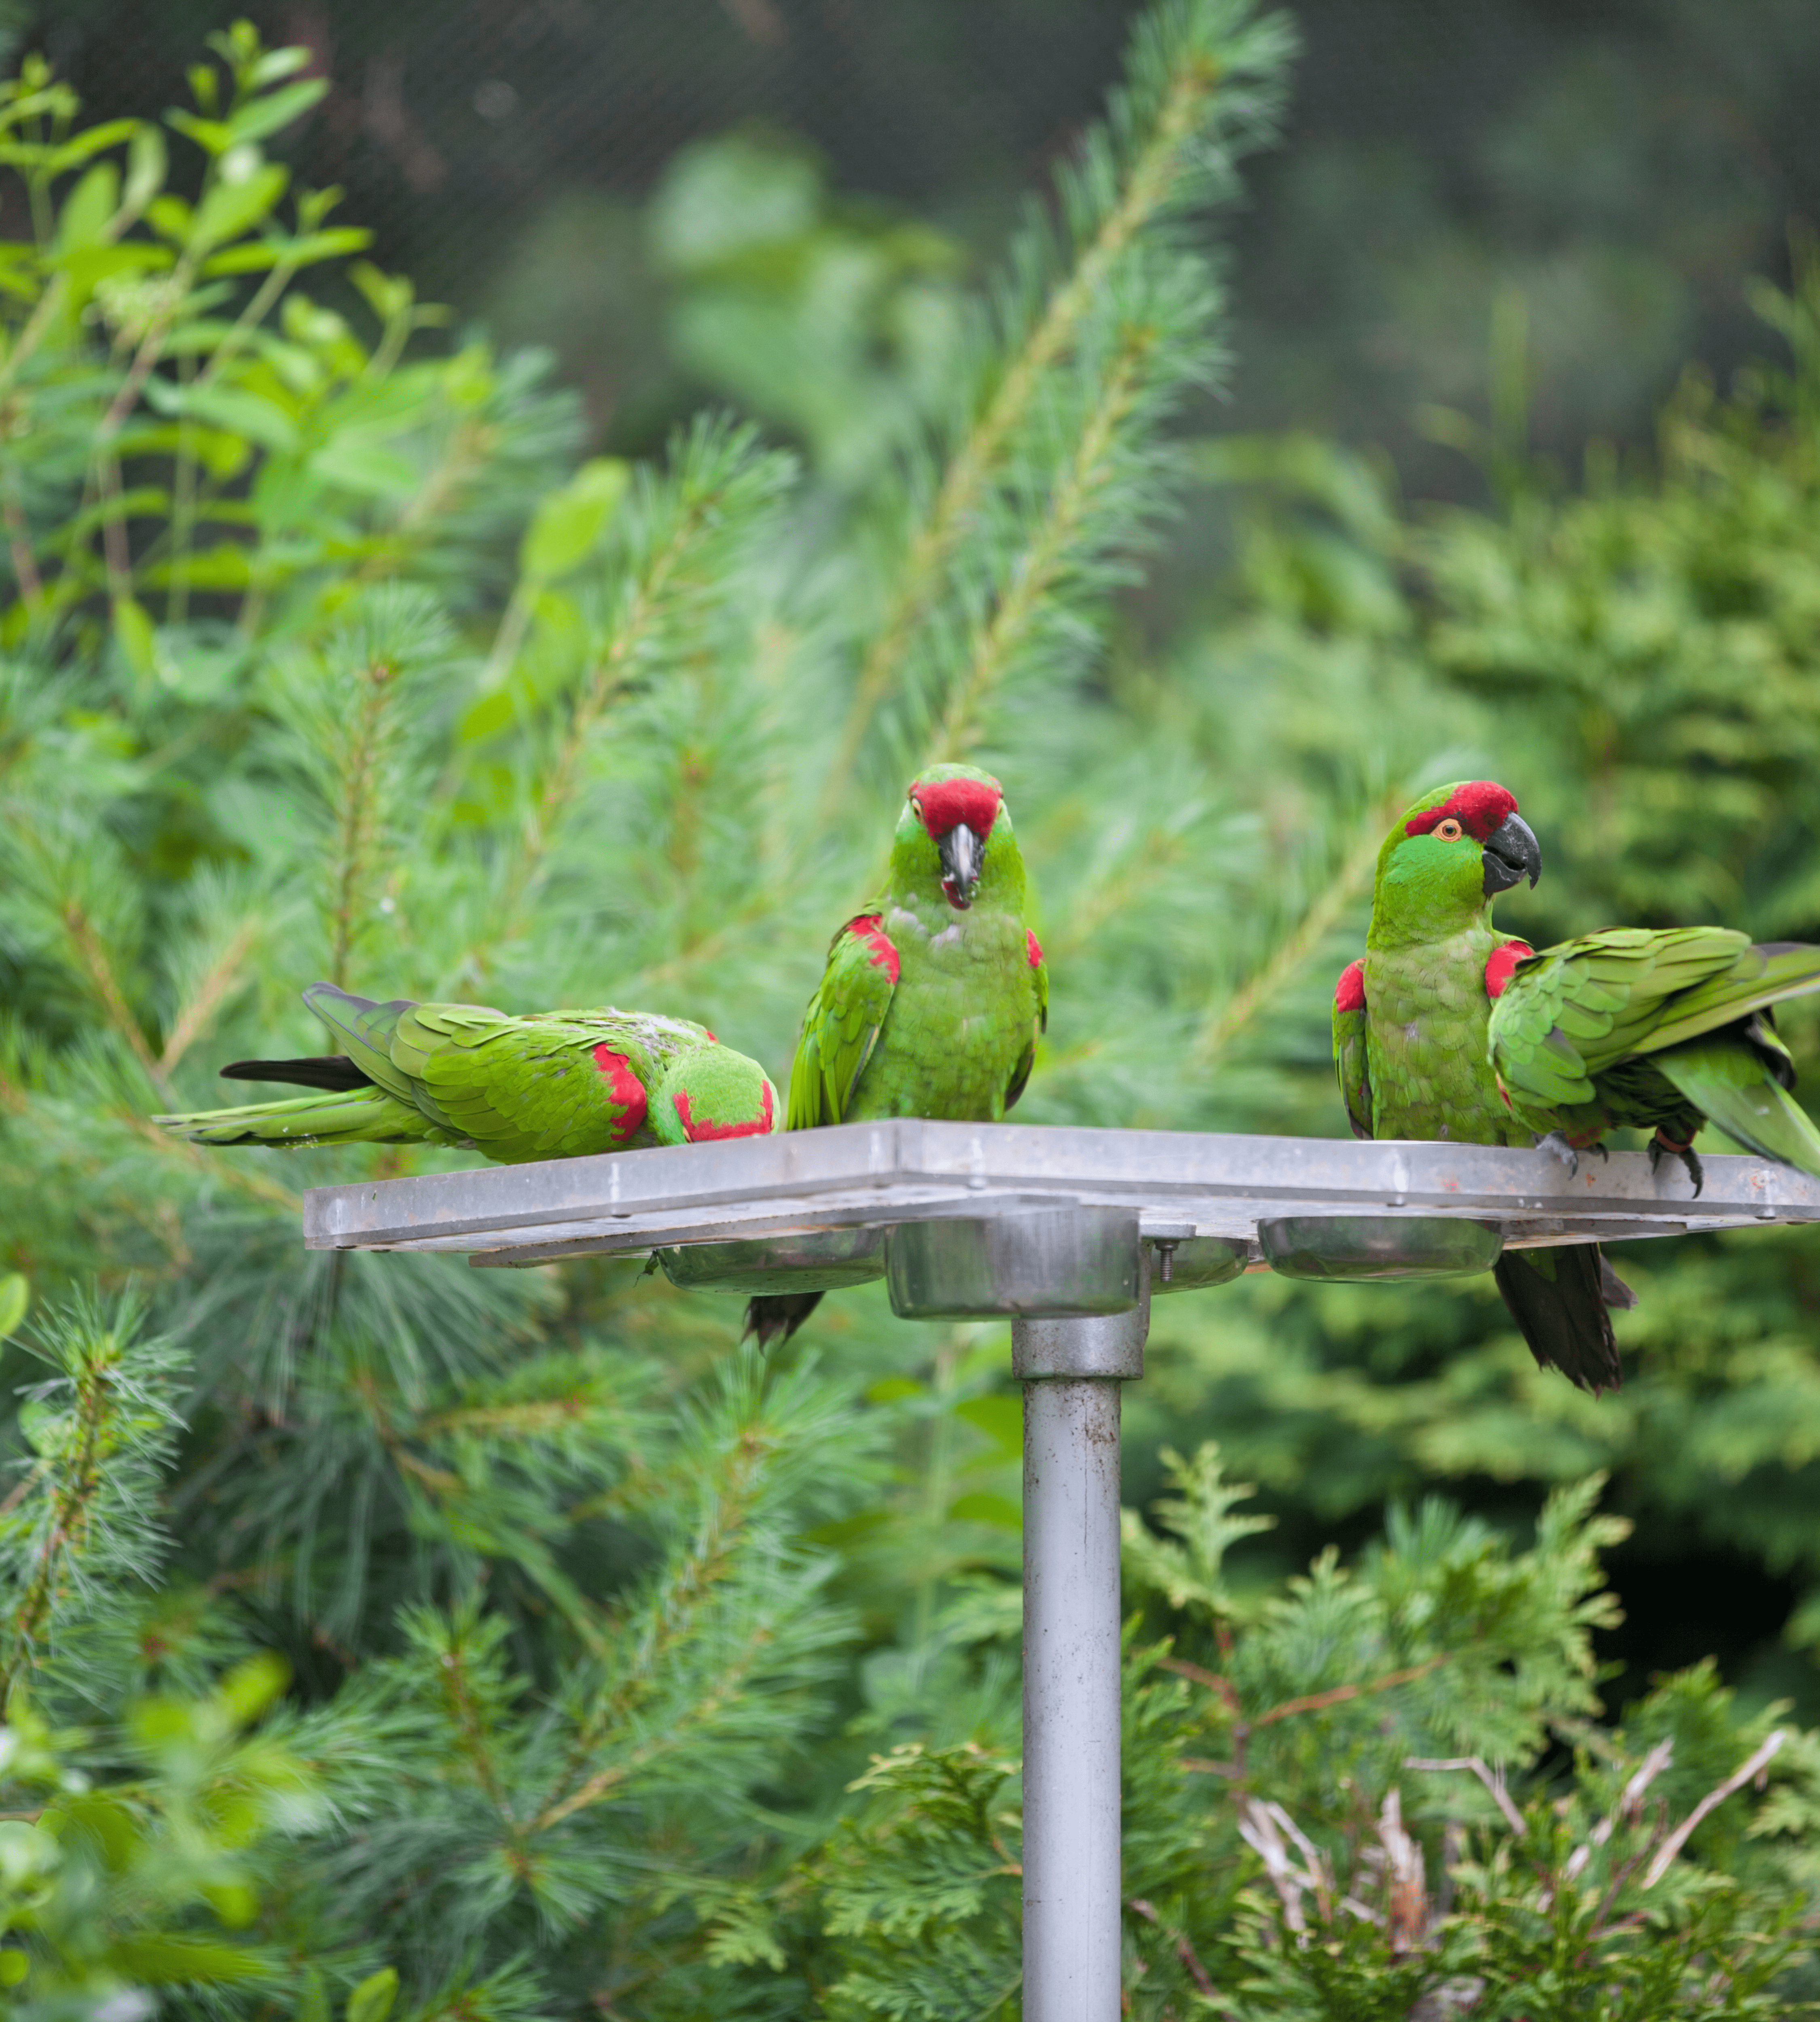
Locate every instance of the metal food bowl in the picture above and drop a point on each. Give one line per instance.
(823, 1262)
(1069, 1263)
(1195, 1263)
(1361, 1246)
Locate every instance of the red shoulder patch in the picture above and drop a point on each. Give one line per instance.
(1034, 948)
(1479, 807)
(626, 1089)
(700, 1133)
(1349, 992)
(1500, 966)
(942, 803)
(870, 928)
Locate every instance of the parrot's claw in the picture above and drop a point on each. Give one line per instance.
(1686, 1153)
(1556, 1143)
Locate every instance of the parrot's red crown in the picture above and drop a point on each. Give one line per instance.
(1479, 806)
(945, 803)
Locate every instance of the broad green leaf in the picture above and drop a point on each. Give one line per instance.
(80, 146)
(266, 114)
(88, 209)
(230, 208)
(372, 2000)
(133, 634)
(360, 464)
(258, 255)
(248, 414)
(170, 218)
(15, 1300)
(214, 136)
(147, 161)
(565, 527)
(276, 64)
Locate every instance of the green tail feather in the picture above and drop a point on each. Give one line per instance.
(1731, 1085)
(367, 1116)
(364, 1029)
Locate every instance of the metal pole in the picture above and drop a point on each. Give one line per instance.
(1071, 1369)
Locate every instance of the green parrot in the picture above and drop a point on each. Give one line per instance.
(935, 995)
(554, 1085)
(1660, 1031)
(1410, 1027)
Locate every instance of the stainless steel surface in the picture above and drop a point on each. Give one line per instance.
(827, 1261)
(1062, 1260)
(1109, 1348)
(1072, 1893)
(1378, 1245)
(1194, 1264)
(908, 1169)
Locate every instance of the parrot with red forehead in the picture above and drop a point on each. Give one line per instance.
(934, 995)
(550, 1085)
(1450, 1029)
(1410, 1027)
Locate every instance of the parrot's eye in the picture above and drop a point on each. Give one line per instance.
(1449, 830)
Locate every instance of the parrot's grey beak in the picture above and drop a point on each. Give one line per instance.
(1511, 854)
(962, 853)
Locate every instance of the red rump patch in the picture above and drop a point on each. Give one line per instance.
(944, 803)
(1500, 965)
(625, 1088)
(1349, 993)
(870, 928)
(1479, 807)
(1036, 951)
(700, 1133)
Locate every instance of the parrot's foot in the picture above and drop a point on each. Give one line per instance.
(1556, 1143)
(1686, 1153)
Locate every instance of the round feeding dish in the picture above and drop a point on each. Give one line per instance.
(1369, 1246)
(1194, 1264)
(825, 1260)
(1059, 1263)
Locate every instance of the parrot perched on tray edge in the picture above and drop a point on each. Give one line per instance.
(934, 995)
(1409, 1041)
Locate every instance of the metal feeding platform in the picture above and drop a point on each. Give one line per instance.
(1068, 1233)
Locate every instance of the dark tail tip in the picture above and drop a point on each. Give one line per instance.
(1557, 1296)
(330, 1070)
(775, 1316)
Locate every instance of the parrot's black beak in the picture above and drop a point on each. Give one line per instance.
(1511, 854)
(962, 853)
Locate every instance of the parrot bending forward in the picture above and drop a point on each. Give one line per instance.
(935, 995)
(555, 1084)
(1661, 1031)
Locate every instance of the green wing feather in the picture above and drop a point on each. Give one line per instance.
(524, 1088)
(1572, 1010)
(1027, 1059)
(841, 1027)
(1350, 1065)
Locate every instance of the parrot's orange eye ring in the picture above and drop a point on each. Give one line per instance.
(1449, 830)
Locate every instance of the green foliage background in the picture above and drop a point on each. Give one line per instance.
(378, 1630)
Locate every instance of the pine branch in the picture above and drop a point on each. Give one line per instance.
(197, 1011)
(1147, 162)
(1265, 986)
(92, 956)
(1036, 577)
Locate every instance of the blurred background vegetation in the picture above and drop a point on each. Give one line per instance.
(419, 633)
